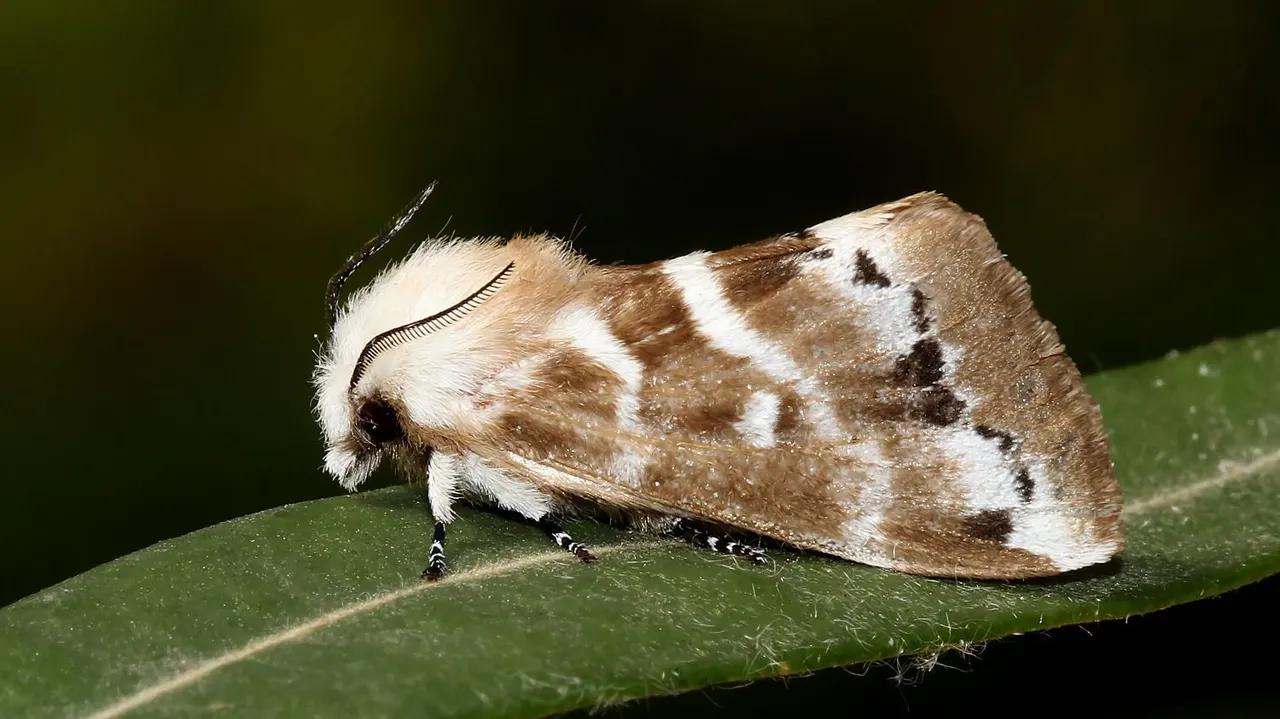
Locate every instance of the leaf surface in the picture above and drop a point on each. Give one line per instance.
(315, 609)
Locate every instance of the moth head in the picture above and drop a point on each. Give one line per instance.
(406, 349)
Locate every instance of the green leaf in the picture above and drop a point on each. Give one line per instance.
(316, 609)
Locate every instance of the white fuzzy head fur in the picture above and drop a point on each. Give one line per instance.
(433, 381)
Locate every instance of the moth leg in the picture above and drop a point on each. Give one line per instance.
(565, 542)
(507, 492)
(442, 489)
(521, 497)
(435, 562)
(701, 537)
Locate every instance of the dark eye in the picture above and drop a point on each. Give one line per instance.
(379, 421)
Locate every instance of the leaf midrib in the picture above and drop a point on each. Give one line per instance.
(1230, 472)
(299, 631)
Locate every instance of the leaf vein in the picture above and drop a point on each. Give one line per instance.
(299, 631)
(1229, 472)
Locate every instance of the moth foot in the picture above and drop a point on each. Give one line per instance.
(435, 562)
(565, 542)
(433, 572)
(707, 539)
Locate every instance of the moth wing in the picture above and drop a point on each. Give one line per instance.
(878, 387)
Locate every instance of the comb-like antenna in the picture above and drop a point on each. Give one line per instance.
(425, 326)
(370, 248)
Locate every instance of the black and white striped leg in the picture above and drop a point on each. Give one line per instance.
(562, 538)
(703, 538)
(435, 562)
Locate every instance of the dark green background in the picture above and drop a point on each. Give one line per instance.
(178, 180)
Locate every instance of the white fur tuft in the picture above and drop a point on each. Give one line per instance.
(431, 378)
(505, 491)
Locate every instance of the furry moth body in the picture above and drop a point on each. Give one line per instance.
(878, 387)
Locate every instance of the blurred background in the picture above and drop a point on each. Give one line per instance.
(179, 180)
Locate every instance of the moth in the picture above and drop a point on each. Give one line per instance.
(878, 387)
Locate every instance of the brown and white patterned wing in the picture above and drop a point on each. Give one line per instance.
(878, 387)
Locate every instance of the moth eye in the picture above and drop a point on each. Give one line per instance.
(379, 421)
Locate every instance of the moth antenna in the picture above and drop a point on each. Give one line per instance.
(425, 326)
(369, 249)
